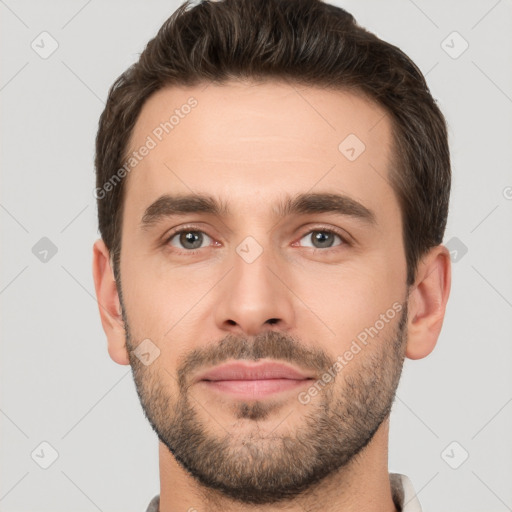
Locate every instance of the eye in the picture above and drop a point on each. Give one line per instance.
(189, 239)
(322, 238)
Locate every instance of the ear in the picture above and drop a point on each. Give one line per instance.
(427, 302)
(108, 303)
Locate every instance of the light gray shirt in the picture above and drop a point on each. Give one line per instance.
(402, 492)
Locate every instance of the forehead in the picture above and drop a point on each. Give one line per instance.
(242, 141)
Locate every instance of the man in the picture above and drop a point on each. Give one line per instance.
(273, 185)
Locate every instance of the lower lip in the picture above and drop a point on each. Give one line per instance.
(254, 388)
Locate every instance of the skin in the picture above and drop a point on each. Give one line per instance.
(250, 145)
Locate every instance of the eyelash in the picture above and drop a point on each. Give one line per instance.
(322, 229)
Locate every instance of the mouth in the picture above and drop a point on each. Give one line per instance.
(246, 380)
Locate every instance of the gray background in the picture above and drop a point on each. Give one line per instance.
(58, 384)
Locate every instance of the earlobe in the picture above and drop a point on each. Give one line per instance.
(108, 303)
(427, 302)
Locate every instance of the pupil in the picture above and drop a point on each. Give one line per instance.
(192, 237)
(323, 238)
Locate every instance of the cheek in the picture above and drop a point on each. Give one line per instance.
(346, 300)
(163, 301)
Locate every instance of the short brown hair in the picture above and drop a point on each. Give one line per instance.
(306, 42)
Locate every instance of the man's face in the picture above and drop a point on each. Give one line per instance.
(307, 286)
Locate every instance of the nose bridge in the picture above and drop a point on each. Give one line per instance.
(251, 268)
(253, 297)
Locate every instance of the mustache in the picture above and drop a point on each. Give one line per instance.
(268, 345)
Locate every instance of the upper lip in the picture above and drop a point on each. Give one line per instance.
(253, 371)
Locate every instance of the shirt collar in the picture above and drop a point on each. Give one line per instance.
(402, 491)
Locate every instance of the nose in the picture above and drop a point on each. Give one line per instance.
(255, 297)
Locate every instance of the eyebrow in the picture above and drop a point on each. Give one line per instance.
(175, 205)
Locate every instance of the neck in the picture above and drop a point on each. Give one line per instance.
(362, 486)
